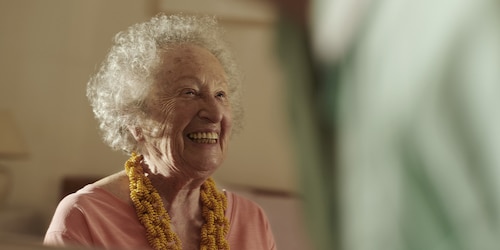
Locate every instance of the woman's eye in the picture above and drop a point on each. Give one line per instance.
(221, 94)
(189, 92)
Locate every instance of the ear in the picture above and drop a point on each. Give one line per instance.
(136, 133)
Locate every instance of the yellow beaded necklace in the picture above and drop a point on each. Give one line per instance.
(152, 214)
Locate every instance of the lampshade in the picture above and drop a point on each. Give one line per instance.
(11, 142)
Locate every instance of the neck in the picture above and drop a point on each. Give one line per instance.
(200, 206)
(178, 194)
(166, 174)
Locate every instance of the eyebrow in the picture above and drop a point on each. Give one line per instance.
(196, 80)
(184, 78)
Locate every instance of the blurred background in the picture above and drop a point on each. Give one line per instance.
(370, 124)
(50, 48)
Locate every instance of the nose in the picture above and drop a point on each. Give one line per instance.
(211, 110)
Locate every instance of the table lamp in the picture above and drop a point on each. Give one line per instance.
(12, 147)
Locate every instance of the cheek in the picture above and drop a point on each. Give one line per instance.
(228, 122)
(227, 126)
(165, 107)
(162, 114)
(173, 118)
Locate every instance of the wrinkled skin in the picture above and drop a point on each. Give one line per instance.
(190, 115)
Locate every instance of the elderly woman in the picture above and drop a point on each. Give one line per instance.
(168, 95)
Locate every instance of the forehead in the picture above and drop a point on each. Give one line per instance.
(190, 61)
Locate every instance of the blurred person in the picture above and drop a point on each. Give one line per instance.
(403, 95)
(168, 94)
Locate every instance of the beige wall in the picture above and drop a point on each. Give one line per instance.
(49, 48)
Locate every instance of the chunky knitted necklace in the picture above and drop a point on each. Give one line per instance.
(153, 216)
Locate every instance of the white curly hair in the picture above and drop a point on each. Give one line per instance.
(118, 90)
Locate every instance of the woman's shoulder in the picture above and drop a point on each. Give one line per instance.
(237, 199)
(250, 227)
(240, 206)
(108, 190)
(116, 184)
(92, 202)
(92, 210)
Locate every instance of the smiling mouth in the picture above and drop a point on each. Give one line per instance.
(204, 137)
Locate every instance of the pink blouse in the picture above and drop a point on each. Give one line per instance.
(93, 217)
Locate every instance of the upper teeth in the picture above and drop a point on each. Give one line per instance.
(203, 135)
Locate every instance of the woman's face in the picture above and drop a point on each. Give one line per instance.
(190, 106)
